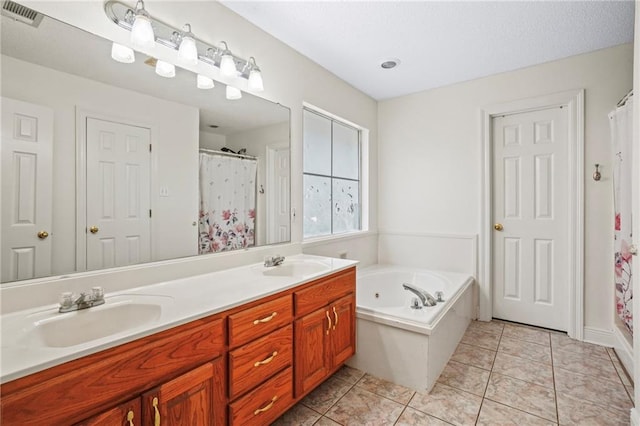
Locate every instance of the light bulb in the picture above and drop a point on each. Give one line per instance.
(204, 82)
(233, 93)
(122, 53)
(228, 65)
(188, 51)
(165, 69)
(142, 32)
(255, 80)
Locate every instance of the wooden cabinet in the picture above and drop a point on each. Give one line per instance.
(264, 404)
(238, 367)
(248, 324)
(255, 362)
(188, 399)
(325, 338)
(86, 387)
(260, 373)
(127, 414)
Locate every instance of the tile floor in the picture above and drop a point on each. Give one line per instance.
(500, 374)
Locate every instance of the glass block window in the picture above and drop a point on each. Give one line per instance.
(331, 169)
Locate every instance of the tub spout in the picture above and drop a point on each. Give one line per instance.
(425, 297)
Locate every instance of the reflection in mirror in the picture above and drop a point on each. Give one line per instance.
(107, 164)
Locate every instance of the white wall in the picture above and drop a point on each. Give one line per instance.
(173, 166)
(429, 147)
(212, 140)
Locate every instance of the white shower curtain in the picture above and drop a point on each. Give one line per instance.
(227, 203)
(621, 136)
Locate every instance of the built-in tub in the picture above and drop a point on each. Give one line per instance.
(409, 346)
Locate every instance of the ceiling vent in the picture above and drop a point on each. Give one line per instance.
(20, 13)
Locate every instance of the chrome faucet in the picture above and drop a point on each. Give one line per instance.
(425, 297)
(273, 260)
(83, 301)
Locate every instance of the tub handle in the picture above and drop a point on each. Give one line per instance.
(335, 314)
(328, 319)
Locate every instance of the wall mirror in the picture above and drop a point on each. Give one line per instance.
(106, 164)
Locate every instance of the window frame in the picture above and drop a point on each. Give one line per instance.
(360, 180)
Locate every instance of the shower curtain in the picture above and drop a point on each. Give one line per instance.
(227, 203)
(621, 136)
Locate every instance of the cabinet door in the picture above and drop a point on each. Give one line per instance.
(127, 414)
(196, 398)
(343, 342)
(312, 361)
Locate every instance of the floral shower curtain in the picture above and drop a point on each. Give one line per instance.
(621, 135)
(227, 203)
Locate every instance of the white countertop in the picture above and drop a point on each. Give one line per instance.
(181, 301)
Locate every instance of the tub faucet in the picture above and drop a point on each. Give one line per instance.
(425, 297)
(273, 260)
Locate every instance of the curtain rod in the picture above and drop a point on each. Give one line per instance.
(625, 98)
(228, 154)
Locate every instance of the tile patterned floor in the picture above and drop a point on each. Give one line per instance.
(500, 374)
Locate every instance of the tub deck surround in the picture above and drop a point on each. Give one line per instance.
(181, 301)
(409, 347)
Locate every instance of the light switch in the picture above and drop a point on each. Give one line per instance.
(164, 191)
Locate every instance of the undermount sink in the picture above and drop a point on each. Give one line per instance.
(294, 268)
(118, 314)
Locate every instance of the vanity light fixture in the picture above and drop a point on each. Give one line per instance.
(204, 82)
(147, 31)
(227, 64)
(142, 34)
(165, 69)
(122, 53)
(255, 76)
(233, 93)
(187, 50)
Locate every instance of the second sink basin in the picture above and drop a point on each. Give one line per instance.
(293, 268)
(118, 314)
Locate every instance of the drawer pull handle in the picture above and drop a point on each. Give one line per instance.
(335, 314)
(266, 407)
(329, 319)
(265, 319)
(130, 417)
(157, 412)
(266, 361)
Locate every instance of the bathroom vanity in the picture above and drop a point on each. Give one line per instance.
(242, 363)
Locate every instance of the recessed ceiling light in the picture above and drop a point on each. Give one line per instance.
(390, 63)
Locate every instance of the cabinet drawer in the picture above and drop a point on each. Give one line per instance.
(251, 323)
(255, 362)
(324, 292)
(266, 403)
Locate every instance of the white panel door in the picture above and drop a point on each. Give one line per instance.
(118, 194)
(27, 147)
(530, 210)
(278, 228)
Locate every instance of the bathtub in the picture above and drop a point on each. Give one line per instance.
(409, 346)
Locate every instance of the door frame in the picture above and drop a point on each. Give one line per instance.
(270, 202)
(82, 114)
(573, 100)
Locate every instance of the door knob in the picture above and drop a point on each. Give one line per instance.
(498, 227)
(43, 235)
(94, 229)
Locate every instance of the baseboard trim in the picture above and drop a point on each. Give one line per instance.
(599, 336)
(635, 417)
(624, 350)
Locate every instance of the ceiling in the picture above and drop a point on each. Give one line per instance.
(438, 43)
